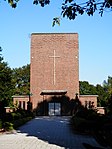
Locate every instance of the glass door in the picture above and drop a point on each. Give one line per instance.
(57, 109)
(54, 109)
(51, 109)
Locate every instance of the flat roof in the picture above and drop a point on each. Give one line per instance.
(53, 92)
(51, 33)
(88, 95)
(20, 96)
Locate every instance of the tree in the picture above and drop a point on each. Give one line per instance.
(108, 89)
(21, 80)
(72, 8)
(108, 85)
(1, 58)
(5, 80)
(6, 86)
(87, 89)
(102, 95)
(102, 91)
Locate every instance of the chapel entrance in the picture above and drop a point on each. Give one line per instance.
(53, 101)
(54, 109)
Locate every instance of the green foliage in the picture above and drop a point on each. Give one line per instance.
(94, 124)
(88, 121)
(101, 95)
(41, 2)
(22, 121)
(21, 80)
(19, 114)
(104, 92)
(13, 3)
(86, 113)
(108, 91)
(15, 116)
(16, 119)
(1, 58)
(77, 122)
(6, 85)
(8, 126)
(86, 89)
(56, 20)
(0, 124)
(16, 81)
(72, 8)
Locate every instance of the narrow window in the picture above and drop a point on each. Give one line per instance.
(85, 104)
(89, 104)
(19, 104)
(24, 105)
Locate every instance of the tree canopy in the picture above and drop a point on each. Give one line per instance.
(13, 81)
(21, 80)
(72, 8)
(103, 91)
(87, 89)
(6, 86)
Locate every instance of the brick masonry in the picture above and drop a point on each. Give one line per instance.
(43, 75)
(87, 98)
(21, 98)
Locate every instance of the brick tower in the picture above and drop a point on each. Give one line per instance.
(54, 66)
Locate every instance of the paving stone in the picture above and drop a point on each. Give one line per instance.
(45, 133)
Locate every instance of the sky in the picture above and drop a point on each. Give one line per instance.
(95, 36)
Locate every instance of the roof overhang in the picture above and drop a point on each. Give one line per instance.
(20, 96)
(53, 92)
(88, 95)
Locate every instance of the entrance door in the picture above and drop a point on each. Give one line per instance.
(54, 109)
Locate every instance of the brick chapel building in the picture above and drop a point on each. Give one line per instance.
(54, 74)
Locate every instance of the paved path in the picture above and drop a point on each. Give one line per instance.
(45, 133)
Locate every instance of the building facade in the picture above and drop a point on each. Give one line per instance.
(54, 66)
(54, 74)
(21, 101)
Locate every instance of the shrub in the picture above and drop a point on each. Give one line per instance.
(78, 123)
(8, 126)
(81, 113)
(7, 117)
(87, 114)
(22, 121)
(0, 124)
(22, 112)
(84, 125)
(15, 116)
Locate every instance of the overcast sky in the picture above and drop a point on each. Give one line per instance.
(95, 37)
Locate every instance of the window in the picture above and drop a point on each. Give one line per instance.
(19, 104)
(24, 105)
(88, 104)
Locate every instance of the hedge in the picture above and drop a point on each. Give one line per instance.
(0, 124)
(8, 126)
(20, 122)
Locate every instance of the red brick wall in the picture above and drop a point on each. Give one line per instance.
(21, 98)
(92, 98)
(101, 110)
(66, 66)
